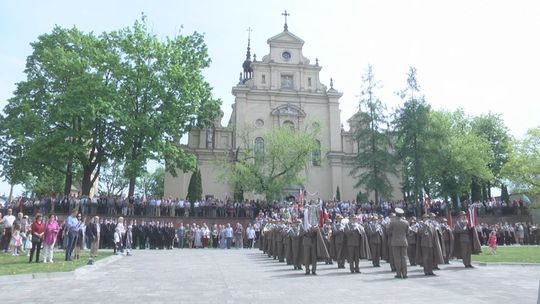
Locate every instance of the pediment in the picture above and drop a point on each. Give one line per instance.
(286, 37)
(288, 110)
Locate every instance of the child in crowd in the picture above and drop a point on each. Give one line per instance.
(16, 241)
(492, 242)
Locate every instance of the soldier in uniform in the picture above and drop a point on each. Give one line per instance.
(354, 239)
(278, 236)
(411, 240)
(338, 242)
(387, 250)
(398, 228)
(467, 242)
(327, 234)
(375, 235)
(428, 248)
(287, 244)
(448, 240)
(309, 244)
(296, 244)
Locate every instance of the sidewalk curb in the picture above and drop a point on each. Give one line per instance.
(58, 275)
(485, 264)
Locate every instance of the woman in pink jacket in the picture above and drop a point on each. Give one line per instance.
(51, 231)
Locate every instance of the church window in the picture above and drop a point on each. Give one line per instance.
(286, 81)
(263, 80)
(316, 154)
(309, 81)
(259, 123)
(259, 149)
(289, 124)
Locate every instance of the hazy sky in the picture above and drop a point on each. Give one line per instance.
(478, 55)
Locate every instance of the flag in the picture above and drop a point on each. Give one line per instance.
(449, 219)
(472, 216)
(426, 203)
(323, 215)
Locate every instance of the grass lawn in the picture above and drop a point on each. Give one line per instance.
(512, 254)
(19, 264)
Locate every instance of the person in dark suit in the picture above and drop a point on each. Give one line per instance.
(94, 230)
(398, 228)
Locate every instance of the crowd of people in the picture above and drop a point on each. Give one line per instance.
(228, 208)
(428, 242)
(83, 230)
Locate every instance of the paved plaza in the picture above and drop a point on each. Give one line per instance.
(248, 276)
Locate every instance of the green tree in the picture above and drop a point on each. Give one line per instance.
(505, 197)
(338, 194)
(374, 160)
(157, 185)
(195, 187)
(112, 180)
(411, 126)
(491, 127)
(456, 157)
(162, 94)
(523, 166)
(60, 117)
(272, 165)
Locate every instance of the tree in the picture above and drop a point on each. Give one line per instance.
(410, 125)
(112, 181)
(162, 95)
(59, 118)
(457, 159)
(374, 160)
(338, 194)
(523, 166)
(492, 128)
(272, 165)
(157, 186)
(505, 197)
(195, 186)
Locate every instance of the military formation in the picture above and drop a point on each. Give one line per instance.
(427, 243)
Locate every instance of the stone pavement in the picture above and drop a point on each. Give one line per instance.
(247, 276)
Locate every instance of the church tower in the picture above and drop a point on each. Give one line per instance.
(283, 88)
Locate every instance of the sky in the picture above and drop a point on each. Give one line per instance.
(482, 56)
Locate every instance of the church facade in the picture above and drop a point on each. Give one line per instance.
(283, 88)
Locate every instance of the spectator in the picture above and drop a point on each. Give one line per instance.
(38, 231)
(72, 228)
(51, 231)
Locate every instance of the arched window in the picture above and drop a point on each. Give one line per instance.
(289, 124)
(316, 154)
(259, 149)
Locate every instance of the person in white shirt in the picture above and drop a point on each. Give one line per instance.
(7, 220)
(250, 232)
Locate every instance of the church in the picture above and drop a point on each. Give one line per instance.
(283, 88)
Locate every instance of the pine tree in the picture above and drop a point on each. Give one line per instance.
(195, 187)
(374, 160)
(199, 189)
(338, 194)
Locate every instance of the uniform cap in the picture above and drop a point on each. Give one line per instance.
(399, 211)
